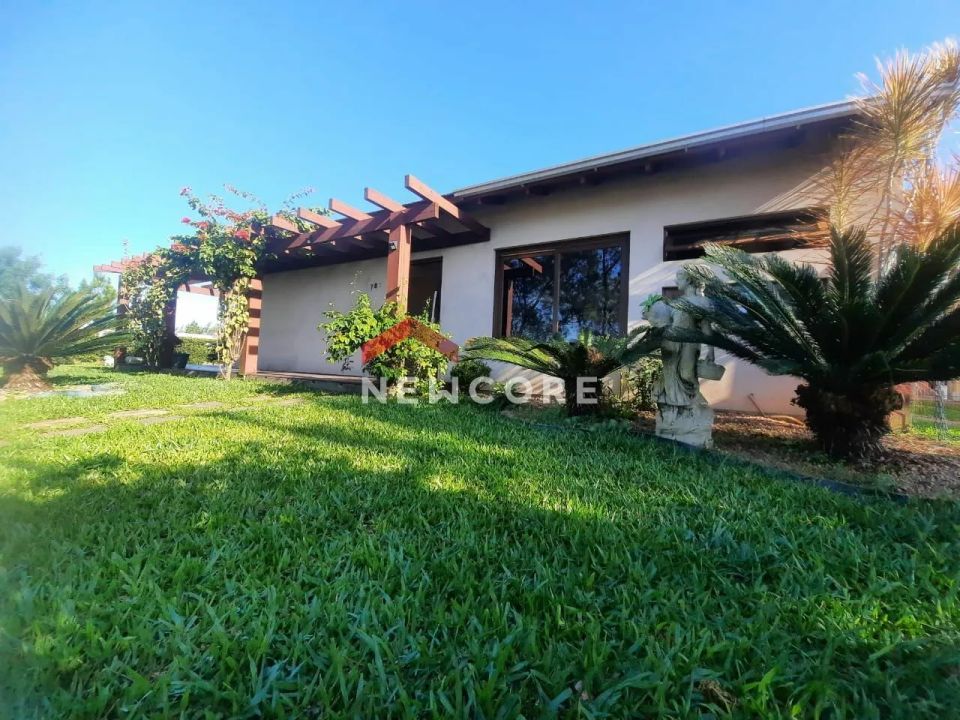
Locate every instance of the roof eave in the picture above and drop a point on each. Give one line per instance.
(797, 118)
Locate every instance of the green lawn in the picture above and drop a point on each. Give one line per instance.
(931, 430)
(335, 559)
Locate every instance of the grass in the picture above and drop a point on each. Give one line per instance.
(930, 429)
(927, 409)
(335, 559)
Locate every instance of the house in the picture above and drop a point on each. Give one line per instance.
(581, 244)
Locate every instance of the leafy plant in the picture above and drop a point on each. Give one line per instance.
(589, 356)
(37, 328)
(347, 332)
(195, 328)
(150, 287)
(199, 351)
(468, 370)
(225, 248)
(637, 381)
(851, 336)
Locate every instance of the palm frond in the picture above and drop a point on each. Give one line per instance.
(853, 331)
(883, 176)
(590, 355)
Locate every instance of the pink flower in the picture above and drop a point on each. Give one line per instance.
(243, 234)
(186, 220)
(185, 190)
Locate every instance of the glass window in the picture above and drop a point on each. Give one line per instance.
(563, 289)
(590, 291)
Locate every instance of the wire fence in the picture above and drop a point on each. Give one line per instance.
(932, 409)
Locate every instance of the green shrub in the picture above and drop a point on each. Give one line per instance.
(348, 331)
(589, 356)
(468, 370)
(636, 384)
(200, 351)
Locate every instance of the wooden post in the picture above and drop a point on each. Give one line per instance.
(123, 307)
(398, 266)
(123, 298)
(169, 343)
(250, 352)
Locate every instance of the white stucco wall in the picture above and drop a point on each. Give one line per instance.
(293, 306)
(293, 302)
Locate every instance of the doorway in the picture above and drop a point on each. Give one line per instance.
(425, 279)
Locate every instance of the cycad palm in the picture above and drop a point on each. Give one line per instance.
(37, 328)
(590, 356)
(851, 336)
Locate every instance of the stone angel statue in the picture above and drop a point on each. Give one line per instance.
(682, 412)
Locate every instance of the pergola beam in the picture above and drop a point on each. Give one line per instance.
(110, 268)
(339, 206)
(324, 221)
(381, 221)
(418, 187)
(282, 223)
(378, 198)
(199, 289)
(118, 266)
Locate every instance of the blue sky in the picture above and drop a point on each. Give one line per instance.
(108, 109)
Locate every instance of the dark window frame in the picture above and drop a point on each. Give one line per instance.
(760, 232)
(592, 242)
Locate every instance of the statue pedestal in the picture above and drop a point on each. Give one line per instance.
(689, 424)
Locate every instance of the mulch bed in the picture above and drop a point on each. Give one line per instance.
(911, 464)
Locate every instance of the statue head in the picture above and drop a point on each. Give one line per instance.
(686, 281)
(659, 314)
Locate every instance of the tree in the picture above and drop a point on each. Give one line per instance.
(195, 328)
(851, 337)
(38, 327)
(590, 356)
(887, 177)
(17, 271)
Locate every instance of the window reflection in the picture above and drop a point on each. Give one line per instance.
(564, 289)
(590, 291)
(528, 296)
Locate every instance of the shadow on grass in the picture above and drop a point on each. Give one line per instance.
(386, 560)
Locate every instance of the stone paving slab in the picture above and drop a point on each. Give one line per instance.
(209, 405)
(73, 432)
(156, 419)
(122, 414)
(56, 423)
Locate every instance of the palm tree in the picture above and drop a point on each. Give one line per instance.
(37, 328)
(888, 176)
(590, 356)
(851, 337)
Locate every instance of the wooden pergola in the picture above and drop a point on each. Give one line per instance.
(394, 230)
